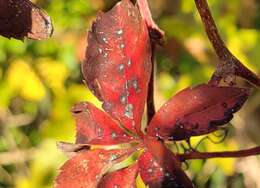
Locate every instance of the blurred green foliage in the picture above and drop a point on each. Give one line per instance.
(40, 82)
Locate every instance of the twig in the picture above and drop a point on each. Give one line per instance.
(225, 154)
(229, 64)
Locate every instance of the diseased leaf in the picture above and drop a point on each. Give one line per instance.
(124, 178)
(21, 18)
(117, 66)
(150, 171)
(96, 127)
(87, 168)
(159, 167)
(197, 111)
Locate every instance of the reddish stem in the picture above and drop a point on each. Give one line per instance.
(224, 154)
(150, 96)
(229, 64)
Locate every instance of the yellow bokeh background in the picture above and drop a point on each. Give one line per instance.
(41, 80)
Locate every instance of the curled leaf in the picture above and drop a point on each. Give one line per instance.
(197, 111)
(118, 63)
(21, 18)
(155, 32)
(70, 148)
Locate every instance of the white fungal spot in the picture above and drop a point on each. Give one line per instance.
(119, 32)
(121, 46)
(113, 135)
(100, 131)
(105, 40)
(127, 85)
(129, 63)
(112, 157)
(155, 163)
(135, 84)
(129, 111)
(123, 99)
(121, 67)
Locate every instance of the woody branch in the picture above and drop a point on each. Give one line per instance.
(229, 64)
(224, 154)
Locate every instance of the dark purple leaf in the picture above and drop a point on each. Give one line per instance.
(21, 18)
(197, 111)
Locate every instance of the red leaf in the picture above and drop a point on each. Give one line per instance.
(117, 66)
(21, 18)
(96, 127)
(87, 168)
(159, 167)
(124, 178)
(197, 111)
(150, 171)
